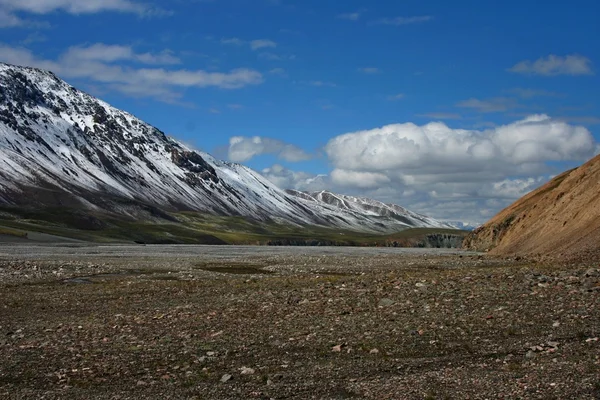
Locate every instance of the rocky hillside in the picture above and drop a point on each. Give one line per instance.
(60, 147)
(560, 219)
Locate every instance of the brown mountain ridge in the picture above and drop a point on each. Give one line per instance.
(561, 219)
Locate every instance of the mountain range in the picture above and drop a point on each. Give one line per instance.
(61, 147)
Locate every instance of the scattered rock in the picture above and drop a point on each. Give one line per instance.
(247, 371)
(386, 302)
(337, 348)
(530, 355)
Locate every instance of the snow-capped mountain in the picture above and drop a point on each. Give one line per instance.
(374, 209)
(62, 147)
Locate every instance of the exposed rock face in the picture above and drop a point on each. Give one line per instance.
(560, 219)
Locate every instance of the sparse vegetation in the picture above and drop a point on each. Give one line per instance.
(198, 228)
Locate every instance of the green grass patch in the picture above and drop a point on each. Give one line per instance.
(199, 228)
(13, 232)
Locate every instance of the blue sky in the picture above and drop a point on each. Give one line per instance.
(454, 109)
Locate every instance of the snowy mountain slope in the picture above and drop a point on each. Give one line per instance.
(62, 147)
(369, 208)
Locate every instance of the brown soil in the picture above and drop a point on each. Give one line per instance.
(560, 220)
(387, 326)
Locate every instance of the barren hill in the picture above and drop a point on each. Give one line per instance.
(560, 219)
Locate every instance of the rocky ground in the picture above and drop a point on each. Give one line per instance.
(146, 323)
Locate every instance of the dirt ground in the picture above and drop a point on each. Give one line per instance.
(185, 322)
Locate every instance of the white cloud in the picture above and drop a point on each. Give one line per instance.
(261, 44)
(408, 151)
(234, 41)
(361, 179)
(111, 53)
(441, 115)
(453, 174)
(9, 20)
(398, 21)
(531, 93)
(355, 16)
(582, 119)
(242, 149)
(72, 6)
(288, 179)
(98, 63)
(10, 9)
(322, 84)
(495, 104)
(395, 97)
(278, 71)
(512, 188)
(554, 65)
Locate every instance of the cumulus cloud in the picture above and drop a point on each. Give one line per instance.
(435, 147)
(361, 179)
(554, 65)
(123, 69)
(453, 173)
(288, 179)
(242, 149)
(512, 188)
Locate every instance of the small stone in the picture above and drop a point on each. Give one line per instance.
(374, 351)
(386, 302)
(247, 371)
(592, 272)
(556, 324)
(226, 378)
(530, 355)
(337, 348)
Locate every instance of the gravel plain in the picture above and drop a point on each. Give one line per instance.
(83, 321)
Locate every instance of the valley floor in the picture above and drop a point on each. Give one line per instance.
(152, 322)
